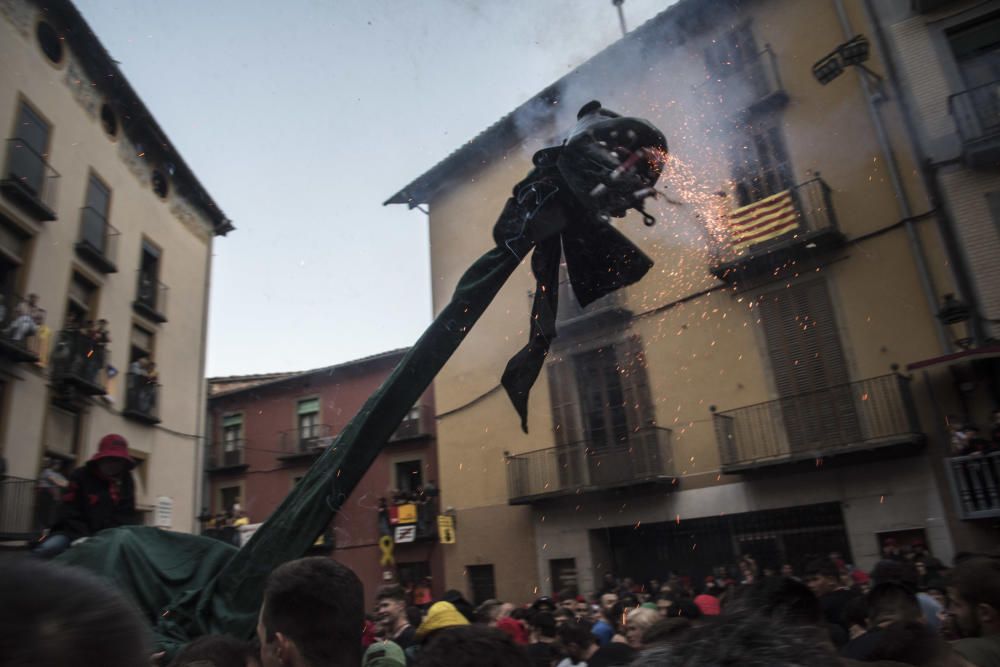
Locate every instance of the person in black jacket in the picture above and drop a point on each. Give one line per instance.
(100, 495)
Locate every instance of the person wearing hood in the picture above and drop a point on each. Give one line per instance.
(440, 616)
(100, 495)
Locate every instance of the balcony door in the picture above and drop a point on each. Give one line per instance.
(809, 367)
(25, 160)
(600, 401)
(977, 51)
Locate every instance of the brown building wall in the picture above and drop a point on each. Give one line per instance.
(269, 417)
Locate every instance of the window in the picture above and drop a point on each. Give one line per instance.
(160, 185)
(308, 420)
(62, 432)
(481, 583)
(760, 162)
(229, 497)
(94, 217)
(13, 244)
(26, 156)
(807, 360)
(81, 302)
(232, 439)
(49, 42)
(409, 475)
(731, 52)
(977, 51)
(109, 121)
(140, 345)
(563, 575)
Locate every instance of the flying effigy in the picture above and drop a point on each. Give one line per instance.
(561, 211)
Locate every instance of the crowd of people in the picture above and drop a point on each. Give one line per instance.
(313, 614)
(967, 439)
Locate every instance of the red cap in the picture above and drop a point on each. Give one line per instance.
(113, 446)
(860, 577)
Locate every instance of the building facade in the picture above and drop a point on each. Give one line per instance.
(945, 59)
(105, 261)
(750, 394)
(265, 432)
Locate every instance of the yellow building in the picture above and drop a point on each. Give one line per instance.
(105, 256)
(748, 396)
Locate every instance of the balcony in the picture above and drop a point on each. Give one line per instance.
(977, 115)
(78, 363)
(98, 242)
(766, 235)
(419, 423)
(975, 485)
(142, 398)
(228, 455)
(871, 414)
(582, 467)
(19, 324)
(151, 298)
(17, 509)
(305, 442)
(419, 515)
(29, 181)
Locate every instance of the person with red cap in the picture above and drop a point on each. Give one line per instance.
(100, 495)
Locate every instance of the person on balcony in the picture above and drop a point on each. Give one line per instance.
(24, 323)
(100, 495)
(51, 483)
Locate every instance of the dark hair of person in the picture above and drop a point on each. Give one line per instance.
(217, 650)
(822, 567)
(575, 633)
(545, 623)
(665, 631)
(520, 614)
(782, 598)
(898, 571)
(892, 601)
(319, 604)
(748, 641)
(60, 615)
(912, 643)
(472, 646)
(684, 609)
(565, 614)
(977, 581)
(391, 593)
(414, 616)
(463, 606)
(856, 612)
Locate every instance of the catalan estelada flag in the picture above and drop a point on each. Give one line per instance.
(762, 220)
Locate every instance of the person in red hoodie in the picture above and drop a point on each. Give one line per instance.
(100, 495)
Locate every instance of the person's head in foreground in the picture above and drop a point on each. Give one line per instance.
(312, 615)
(59, 615)
(472, 646)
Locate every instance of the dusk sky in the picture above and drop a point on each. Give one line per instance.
(302, 117)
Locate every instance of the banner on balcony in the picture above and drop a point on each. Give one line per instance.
(762, 220)
(405, 534)
(406, 513)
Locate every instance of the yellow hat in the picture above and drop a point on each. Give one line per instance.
(440, 615)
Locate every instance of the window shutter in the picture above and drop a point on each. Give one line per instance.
(566, 423)
(230, 421)
(639, 411)
(308, 406)
(809, 369)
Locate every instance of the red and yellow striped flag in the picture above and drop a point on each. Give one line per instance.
(762, 220)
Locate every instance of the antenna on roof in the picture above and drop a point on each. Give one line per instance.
(621, 14)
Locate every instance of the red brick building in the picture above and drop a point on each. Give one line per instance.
(266, 430)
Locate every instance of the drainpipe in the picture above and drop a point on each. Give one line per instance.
(957, 259)
(916, 246)
(201, 430)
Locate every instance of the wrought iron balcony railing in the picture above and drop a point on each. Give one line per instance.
(975, 485)
(78, 360)
(863, 415)
(583, 466)
(306, 440)
(977, 115)
(20, 320)
(142, 395)
(151, 298)
(227, 454)
(29, 180)
(98, 242)
(764, 235)
(18, 520)
(419, 423)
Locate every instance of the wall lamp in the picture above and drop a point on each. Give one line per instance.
(853, 52)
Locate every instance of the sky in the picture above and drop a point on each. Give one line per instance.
(302, 117)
